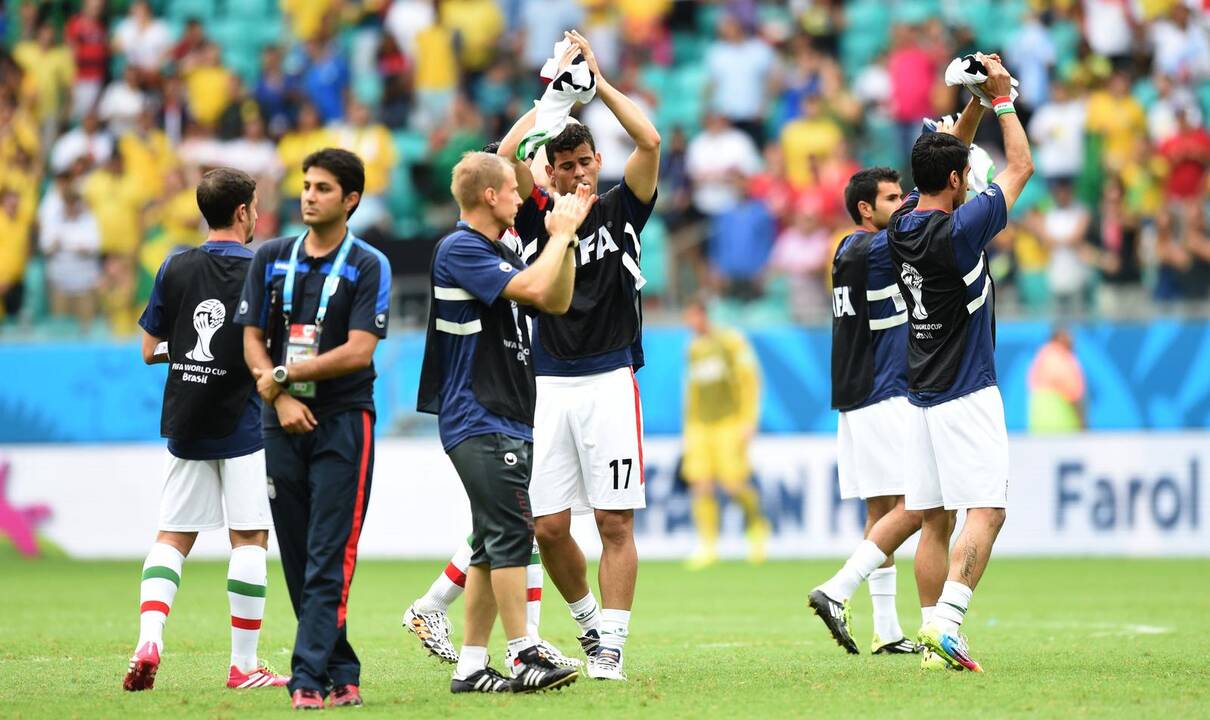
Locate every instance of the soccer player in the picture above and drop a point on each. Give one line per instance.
(478, 379)
(313, 309)
(869, 388)
(721, 416)
(211, 417)
(427, 617)
(588, 437)
(957, 451)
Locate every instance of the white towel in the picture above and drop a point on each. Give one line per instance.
(982, 168)
(969, 72)
(575, 84)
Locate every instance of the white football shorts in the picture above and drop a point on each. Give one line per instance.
(871, 442)
(957, 454)
(195, 492)
(588, 444)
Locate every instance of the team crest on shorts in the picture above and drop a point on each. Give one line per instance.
(272, 490)
(510, 459)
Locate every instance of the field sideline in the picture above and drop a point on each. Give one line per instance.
(1059, 638)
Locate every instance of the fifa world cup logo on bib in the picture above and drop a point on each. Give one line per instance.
(208, 317)
(915, 284)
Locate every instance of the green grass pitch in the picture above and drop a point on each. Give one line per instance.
(1059, 638)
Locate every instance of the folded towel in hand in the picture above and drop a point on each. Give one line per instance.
(969, 72)
(576, 83)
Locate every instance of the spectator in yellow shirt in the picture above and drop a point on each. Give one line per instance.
(807, 141)
(436, 76)
(721, 416)
(1117, 116)
(477, 25)
(208, 85)
(306, 16)
(307, 137)
(147, 154)
(372, 142)
(16, 220)
(116, 201)
(49, 71)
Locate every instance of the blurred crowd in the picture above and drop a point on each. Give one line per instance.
(109, 111)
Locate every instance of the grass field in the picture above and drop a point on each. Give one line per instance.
(1059, 638)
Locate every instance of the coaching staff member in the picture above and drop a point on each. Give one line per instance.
(314, 308)
(478, 379)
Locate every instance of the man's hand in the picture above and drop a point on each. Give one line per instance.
(946, 125)
(569, 212)
(580, 42)
(999, 81)
(266, 386)
(295, 417)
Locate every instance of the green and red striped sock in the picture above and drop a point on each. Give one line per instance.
(161, 578)
(247, 577)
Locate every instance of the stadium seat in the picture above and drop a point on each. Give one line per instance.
(1144, 91)
(254, 10)
(411, 146)
(182, 10)
(655, 256)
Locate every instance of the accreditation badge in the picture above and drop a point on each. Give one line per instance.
(303, 344)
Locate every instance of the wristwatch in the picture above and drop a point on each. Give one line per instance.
(280, 375)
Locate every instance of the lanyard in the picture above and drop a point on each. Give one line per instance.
(330, 282)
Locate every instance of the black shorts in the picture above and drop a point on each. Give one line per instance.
(495, 471)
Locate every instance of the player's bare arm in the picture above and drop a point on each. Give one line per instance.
(352, 355)
(547, 284)
(643, 167)
(256, 357)
(508, 151)
(1020, 165)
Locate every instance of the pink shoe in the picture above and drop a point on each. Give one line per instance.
(345, 696)
(262, 676)
(141, 675)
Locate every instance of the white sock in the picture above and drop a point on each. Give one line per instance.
(864, 560)
(161, 578)
(471, 660)
(533, 594)
(951, 606)
(247, 578)
(615, 626)
(882, 595)
(448, 586)
(926, 614)
(586, 613)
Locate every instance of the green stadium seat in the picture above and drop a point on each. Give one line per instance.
(655, 256)
(1203, 94)
(182, 10)
(411, 146)
(1144, 91)
(254, 10)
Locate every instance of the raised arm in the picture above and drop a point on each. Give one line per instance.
(508, 151)
(643, 167)
(1020, 165)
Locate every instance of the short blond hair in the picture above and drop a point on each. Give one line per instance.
(474, 173)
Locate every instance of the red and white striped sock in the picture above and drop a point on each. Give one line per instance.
(247, 579)
(533, 593)
(161, 578)
(449, 585)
